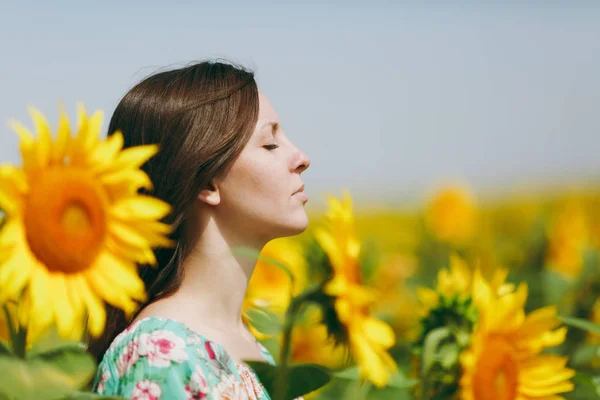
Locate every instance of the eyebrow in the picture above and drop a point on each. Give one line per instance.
(274, 126)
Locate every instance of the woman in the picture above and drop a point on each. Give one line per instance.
(233, 180)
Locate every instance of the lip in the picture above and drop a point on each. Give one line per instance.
(300, 194)
(300, 190)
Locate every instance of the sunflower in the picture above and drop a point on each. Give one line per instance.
(457, 282)
(451, 215)
(368, 338)
(504, 360)
(270, 286)
(567, 240)
(76, 226)
(312, 344)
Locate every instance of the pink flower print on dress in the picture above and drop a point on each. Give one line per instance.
(230, 389)
(103, 379)
(197, 388)
(128, 358)
(146, 390)
(191, 395)
(217, 365)
(162, 347)
(194, 340)
(209, 350)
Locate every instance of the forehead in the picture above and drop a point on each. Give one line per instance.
(266, 112)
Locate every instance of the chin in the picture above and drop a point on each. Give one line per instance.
(294, 225)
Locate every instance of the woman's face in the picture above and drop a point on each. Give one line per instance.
(262, 193)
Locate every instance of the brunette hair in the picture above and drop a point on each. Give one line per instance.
(201, 116)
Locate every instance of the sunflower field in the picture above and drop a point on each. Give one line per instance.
(455, 298)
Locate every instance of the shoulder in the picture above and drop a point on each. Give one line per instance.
(157, 357)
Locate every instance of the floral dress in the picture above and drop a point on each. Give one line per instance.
(157, 358)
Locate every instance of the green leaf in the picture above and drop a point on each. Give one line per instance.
(5, 348)
(584, 354)
(400, 381)
(581, 324)
(430, 346)
(72, 359)
(448, 355)
(264, 321)
(369, 260)
(251, 253)
(397, 380)
(49, 375)
(49, 340)
(303, 378)
(590, 382)
(351, 373)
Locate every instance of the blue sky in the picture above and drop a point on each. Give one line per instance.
(387, 98)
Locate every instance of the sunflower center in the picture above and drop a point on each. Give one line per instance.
(496, 372)
(65, 219)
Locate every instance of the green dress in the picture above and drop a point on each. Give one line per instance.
(158, 358)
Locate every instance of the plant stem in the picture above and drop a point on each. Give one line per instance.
(286, 347)
(365, 389)
(17, 335)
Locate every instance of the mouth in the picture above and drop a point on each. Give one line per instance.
(300, 194)
(300, 190)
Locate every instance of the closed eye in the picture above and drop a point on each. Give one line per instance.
(271, 146)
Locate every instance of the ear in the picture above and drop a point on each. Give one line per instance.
(210, 195)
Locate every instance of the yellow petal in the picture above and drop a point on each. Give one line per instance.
(562, 387)
(428, 297)
(40, 293)
(83, 142)
(123, 273)
(27, 145)
(140, 207)
(13, 178)
(361, 295)
(105, 288)
(371, 366)
(130, 158)
(44, 142)
(124, 233)
(95, 126)
(64, 310)
(379, 332)
(126, 183)
(330, 247)
(336, 286)
(135, 254)
(95, 307)
(14, 274)
(59, 150)
(554, 338)
(106, 151)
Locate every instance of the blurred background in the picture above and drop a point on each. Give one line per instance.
(387, 98)
(468, 128)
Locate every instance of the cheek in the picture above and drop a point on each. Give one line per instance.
(259, 182)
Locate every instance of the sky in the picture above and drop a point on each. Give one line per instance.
(388, 99)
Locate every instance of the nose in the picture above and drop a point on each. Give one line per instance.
(302, 162)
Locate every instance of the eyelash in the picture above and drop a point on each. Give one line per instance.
(271, 147)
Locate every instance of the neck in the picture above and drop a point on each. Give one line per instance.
(216, 276)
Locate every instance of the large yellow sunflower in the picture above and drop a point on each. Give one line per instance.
(76, 225)
(504, 360)
(369, 338)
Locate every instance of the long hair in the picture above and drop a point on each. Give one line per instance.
(201, 116)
